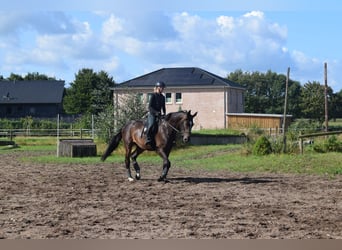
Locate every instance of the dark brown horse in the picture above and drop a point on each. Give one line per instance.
(177, 122)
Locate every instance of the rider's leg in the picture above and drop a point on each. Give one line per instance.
(150, 122)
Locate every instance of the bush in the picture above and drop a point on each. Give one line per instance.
(329, 145)
(262, 146)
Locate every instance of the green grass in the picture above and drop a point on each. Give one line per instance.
(311, 163)
(217, 132)
(337, 123)
(211, 158)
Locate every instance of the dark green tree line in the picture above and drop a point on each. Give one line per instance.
(28, 77)
(265, 93)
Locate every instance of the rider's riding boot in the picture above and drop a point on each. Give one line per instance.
(148, 138)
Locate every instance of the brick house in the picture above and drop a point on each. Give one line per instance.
(190, 88)
(42, 99)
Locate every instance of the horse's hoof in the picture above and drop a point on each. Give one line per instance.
(137, 176)
(130, 179)
(163, 179)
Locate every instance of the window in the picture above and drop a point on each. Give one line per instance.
(168, 98)
(179, 98)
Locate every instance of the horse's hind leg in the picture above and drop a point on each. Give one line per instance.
(128, 162)
(135, 154)
(166, 166)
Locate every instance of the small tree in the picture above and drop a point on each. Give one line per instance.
(109, 121)
(131, 107)
(312, 101)
(104, 123)
(262, 146)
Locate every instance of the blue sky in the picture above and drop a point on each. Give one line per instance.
(128, 38)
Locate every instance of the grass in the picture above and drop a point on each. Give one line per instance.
(336, 123)
(211, 158)
(312, 163)
(217, 132)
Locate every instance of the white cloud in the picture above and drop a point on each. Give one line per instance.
(129, 44)
(112, 26)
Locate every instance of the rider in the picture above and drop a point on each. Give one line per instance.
(156, 109)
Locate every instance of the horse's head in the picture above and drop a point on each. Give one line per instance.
(183, 122)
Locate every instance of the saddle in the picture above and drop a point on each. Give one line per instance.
(154, 128)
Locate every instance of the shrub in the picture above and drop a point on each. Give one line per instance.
(262, 146)
(329, 145)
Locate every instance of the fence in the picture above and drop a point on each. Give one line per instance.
(77, 133)
(301, 137)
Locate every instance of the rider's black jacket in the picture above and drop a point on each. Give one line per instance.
(157, 104)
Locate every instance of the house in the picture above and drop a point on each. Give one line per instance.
(190, 88)
(39, 98)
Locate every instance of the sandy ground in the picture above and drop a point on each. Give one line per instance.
(76, 201)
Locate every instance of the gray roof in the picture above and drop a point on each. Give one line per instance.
(21, 92)
(180, 77)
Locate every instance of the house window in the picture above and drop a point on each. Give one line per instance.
(179, 98)
(168, 98)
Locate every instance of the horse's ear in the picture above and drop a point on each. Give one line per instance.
(194, 115)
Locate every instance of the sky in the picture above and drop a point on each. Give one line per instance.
(129, 38)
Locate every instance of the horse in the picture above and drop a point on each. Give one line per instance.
(168, 128)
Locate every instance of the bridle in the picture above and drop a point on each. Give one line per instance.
(173, 127)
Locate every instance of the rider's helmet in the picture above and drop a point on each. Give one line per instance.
(160, 84)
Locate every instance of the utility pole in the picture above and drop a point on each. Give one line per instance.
(326, 96)
(285, 109)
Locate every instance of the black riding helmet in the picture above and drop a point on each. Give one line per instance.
(160, 84)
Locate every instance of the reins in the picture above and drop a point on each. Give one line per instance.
(178, 131)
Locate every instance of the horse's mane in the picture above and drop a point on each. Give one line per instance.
(181, 112)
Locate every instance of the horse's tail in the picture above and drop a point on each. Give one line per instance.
(113, 144)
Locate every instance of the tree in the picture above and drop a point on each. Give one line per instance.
(265, 93)
(336, 105)
(36, 76)
(89, 93)
(29, 77)
(130, 107)
(312, 101)
(110, 120)
(101, 94)
(15, 77)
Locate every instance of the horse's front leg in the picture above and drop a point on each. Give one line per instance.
(166, 166)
